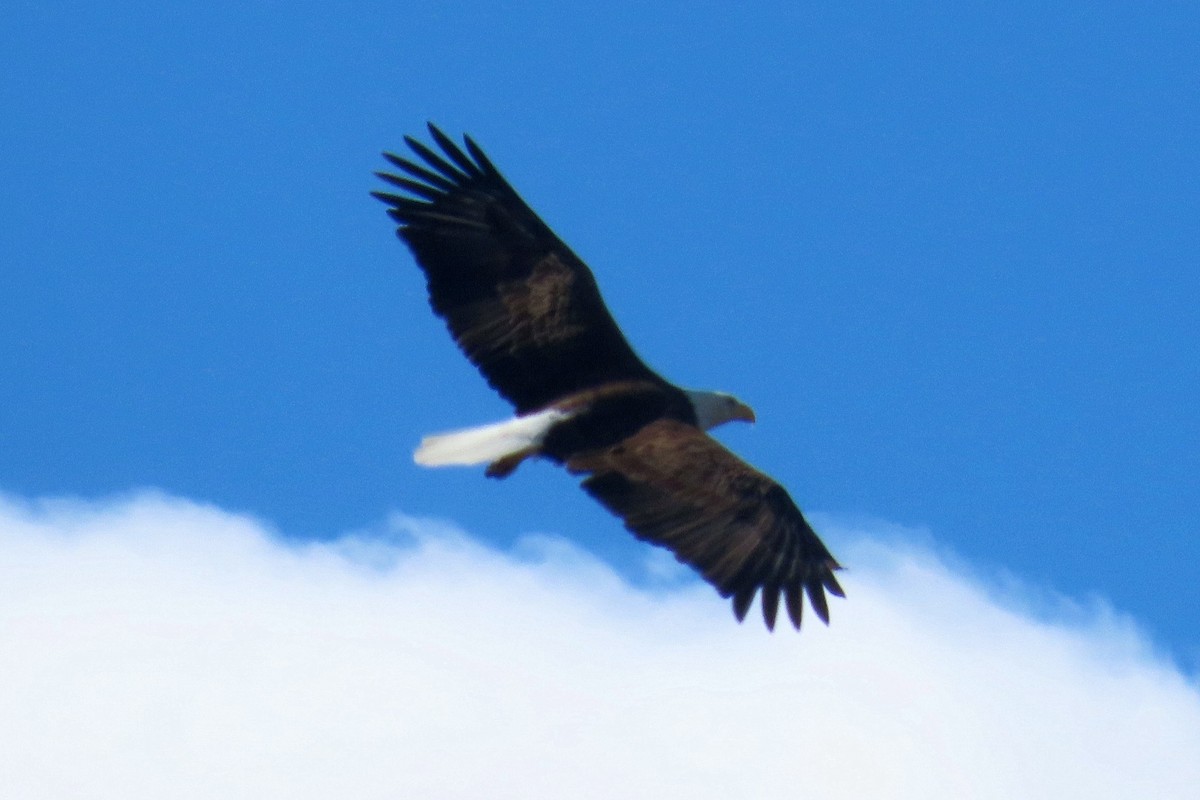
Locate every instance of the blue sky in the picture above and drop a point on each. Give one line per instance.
(949, 256)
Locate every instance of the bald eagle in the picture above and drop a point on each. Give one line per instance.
(527, 313)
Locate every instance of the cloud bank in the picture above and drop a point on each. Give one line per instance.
(154, 647)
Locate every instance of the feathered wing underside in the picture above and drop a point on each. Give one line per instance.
(675, 486)
(523, 308)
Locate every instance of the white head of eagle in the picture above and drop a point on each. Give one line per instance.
(717, 408)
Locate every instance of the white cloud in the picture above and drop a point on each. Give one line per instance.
(152, 647)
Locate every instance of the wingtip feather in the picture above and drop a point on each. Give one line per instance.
(794, 600)
(770, 605)
(831, 584)
(741, 602)
(480, 157)
(816, 596)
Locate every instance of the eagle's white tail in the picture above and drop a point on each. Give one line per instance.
(487, 443)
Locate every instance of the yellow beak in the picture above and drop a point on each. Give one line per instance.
(743, 412)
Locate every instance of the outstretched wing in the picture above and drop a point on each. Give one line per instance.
(523, 308)
(677, 487)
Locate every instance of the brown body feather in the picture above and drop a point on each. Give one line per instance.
(527, 312)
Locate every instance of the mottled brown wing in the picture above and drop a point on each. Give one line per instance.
(677, 487)
(523, 308)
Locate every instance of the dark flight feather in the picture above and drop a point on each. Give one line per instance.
(675, 486)
(523, 308)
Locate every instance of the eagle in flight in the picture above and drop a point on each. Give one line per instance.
(528, 314)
